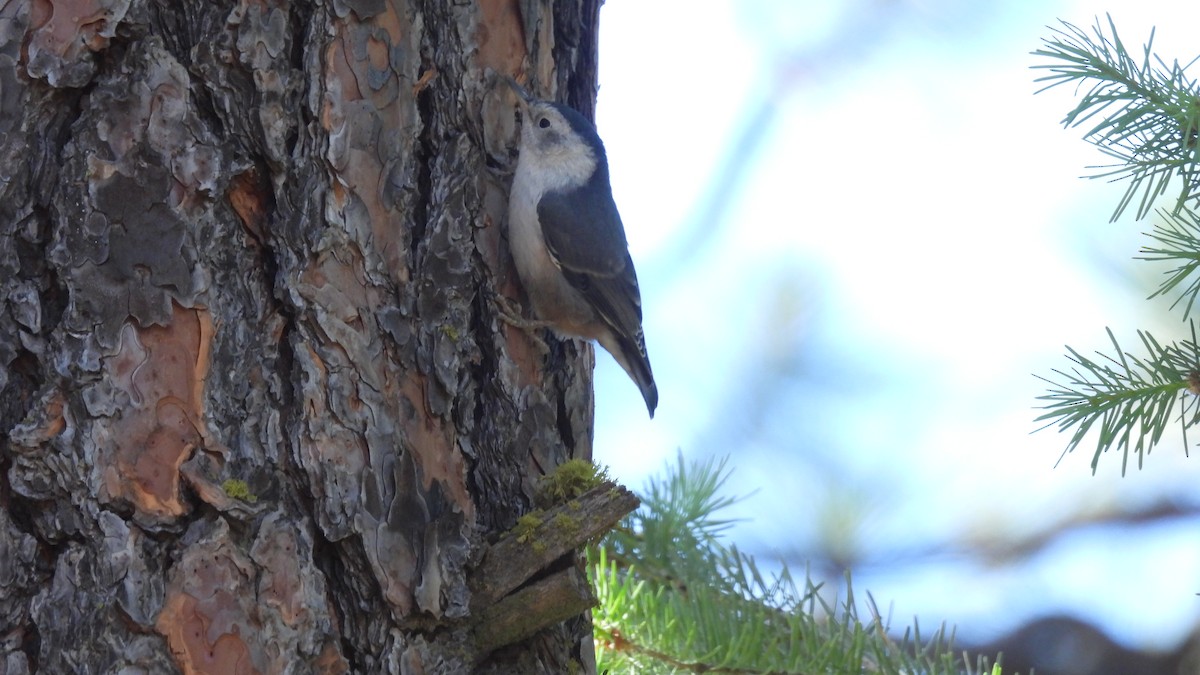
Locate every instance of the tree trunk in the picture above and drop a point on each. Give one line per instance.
(257, 413)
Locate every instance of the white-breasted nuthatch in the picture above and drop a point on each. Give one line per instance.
(567, 240)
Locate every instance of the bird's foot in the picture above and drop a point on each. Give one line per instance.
(510, 313)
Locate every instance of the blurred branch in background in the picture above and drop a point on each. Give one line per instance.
(992, 550)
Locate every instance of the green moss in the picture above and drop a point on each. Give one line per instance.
(570, 480)
(527, 525)
(239, 490)
(567, 523)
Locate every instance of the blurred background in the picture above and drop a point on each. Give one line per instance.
(859, 235)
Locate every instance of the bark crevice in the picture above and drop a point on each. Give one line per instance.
(256, 413)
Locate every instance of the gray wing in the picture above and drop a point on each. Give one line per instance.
(584, 235)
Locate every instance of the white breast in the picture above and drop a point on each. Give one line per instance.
(552, 297)
(524, 232)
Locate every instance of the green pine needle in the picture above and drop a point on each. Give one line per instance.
(1129, 401)
(674, 598)
(1142, 112)
(1179, 242)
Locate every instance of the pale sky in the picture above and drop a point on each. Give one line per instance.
(909, 242)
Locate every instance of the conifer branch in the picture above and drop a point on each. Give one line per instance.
(673, 597)
(1130, 401)
(1143, 112)
(1178, 241)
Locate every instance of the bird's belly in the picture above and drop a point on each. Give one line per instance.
(553, 298)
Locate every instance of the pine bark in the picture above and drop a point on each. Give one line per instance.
(257, 411)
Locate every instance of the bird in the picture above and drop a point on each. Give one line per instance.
(567, 241)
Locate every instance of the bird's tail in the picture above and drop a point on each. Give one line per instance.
(630, 352)
(635, 362)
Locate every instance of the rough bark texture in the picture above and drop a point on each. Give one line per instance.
(257, 413)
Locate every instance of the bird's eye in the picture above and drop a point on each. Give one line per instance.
(544, 123)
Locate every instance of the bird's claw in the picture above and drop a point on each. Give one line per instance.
(510, 313)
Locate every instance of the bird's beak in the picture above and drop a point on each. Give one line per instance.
(523, 97)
